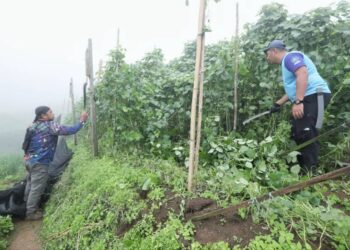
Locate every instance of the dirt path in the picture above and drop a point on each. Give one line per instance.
(25, 235)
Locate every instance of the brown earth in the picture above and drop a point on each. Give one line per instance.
(25, 235)
(229, 228)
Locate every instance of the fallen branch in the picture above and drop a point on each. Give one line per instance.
(283, 191)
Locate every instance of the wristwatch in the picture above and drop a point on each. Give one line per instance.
(297, 101)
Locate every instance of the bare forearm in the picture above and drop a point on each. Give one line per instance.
(301, 82)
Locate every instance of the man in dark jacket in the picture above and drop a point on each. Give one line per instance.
(41, 143)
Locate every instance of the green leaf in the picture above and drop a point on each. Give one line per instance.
(248, 165)
(261, 166)
(146, 185)
(265, 85)
(243, 149)
(219, 149)
(273, 151)
(242, 181)
(250, 153)
(293, 154)
(295, 169)
(346, 81)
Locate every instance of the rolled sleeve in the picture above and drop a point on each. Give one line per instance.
(294, 61)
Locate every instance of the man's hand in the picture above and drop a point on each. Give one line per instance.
(275, 108)
(298, 111)
(84, 116)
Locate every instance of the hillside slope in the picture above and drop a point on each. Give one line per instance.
(135, 202)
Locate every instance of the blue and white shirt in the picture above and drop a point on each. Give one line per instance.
(44, 140)
(291, 62)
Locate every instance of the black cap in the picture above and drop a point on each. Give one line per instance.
(278, 44)
(40, 111)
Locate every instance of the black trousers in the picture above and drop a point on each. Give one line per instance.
(304, 129)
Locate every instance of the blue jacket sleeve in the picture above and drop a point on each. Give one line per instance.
(57, 129)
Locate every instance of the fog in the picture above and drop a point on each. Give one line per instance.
(43, 42)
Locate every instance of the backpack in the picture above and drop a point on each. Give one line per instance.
(27, 139)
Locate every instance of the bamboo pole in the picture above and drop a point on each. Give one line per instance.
(118, 33)
(195, 92)
(200, 109)
(90, 76)
(73, 109)
(100, 70)
(235, 94)
(115, 117)
(118, 48)
(287, 190)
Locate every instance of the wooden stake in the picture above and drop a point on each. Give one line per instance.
(200, 109)
(118, 39)
(195, 92)
(293, 188)
(90, 76)
(118, 47)
(100, 69)
(235, 94)
(115, 98)
(73, 109)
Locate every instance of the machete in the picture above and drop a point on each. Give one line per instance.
(256, 116)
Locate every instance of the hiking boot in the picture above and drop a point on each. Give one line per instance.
(35, 216)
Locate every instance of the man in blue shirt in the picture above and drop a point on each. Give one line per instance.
(302, 83)
(39, 146)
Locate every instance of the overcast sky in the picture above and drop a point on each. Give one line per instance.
(43, 42)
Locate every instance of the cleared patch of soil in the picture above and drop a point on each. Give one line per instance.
(25, 235)
(231, 229)
(172, 204)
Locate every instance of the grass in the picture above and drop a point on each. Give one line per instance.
(11, 170)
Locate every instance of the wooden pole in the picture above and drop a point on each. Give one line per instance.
(73, 109)
(200, 109)
(115, 96)
(90, 76)
(195, 92)
(235, 94)
(100, 69)
(118, 33)
(118, 47)
(287, 190)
